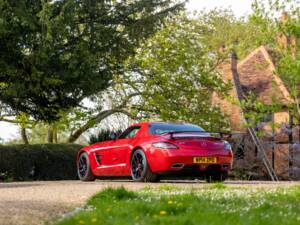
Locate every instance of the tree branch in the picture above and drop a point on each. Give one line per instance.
(2, 119)
(95, 120)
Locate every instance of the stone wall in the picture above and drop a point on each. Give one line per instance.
(248, 162)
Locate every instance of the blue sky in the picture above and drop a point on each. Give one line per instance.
(239, 7)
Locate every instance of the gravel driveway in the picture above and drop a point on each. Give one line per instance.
(36, 202)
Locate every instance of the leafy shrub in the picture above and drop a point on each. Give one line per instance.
(103, 135)
(39, 162)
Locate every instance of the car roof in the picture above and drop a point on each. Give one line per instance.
(159, 122)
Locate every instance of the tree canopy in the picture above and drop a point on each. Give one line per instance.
(132, 59)
(53, 54)
(175, 74)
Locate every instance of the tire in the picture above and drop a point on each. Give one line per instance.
(216, 177)
(83, 168)
(140, 169)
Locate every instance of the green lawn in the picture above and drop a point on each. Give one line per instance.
(216, 204)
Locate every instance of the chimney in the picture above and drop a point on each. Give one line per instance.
(294, 43)
(282, 39)
(287, 42)
(284, 17)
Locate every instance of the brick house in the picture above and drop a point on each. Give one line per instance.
(256, 74)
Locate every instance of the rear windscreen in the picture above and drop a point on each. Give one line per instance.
(166, 128)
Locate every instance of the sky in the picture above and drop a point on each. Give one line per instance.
(239, 7)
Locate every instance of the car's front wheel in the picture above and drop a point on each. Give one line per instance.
(140, 169)
(84, 169)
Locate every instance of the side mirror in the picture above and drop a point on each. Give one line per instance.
(113, 136)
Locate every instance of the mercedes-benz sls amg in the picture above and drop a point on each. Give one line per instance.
(148, 151)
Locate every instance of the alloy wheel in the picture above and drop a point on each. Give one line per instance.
(138, 165)
(82, 166)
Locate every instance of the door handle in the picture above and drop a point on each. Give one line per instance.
(114, 159)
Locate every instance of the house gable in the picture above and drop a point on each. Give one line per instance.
(257, 74)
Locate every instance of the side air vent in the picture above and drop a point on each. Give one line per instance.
(98, 158)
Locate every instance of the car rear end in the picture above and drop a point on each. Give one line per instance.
(194, 153)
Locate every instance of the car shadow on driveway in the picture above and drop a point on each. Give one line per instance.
(163, 181)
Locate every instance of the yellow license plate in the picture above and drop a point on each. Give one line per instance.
(205, 160)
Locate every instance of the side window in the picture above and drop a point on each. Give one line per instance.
(129, 133)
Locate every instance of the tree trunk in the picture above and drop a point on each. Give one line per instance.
(50, 134)
(24, 136)
(55, 136)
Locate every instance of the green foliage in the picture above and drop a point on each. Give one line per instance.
(255, 110)
(217, 205)
(220, 27)
(176, 76)
(219, 186)
(266, 15)
(53, 54)
(259, 28)
(288, 67)
(102, 135)
(118, 194)
(39, 162)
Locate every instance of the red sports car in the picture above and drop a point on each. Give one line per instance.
(150, 150)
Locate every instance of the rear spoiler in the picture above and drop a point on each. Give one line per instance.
(218, 135)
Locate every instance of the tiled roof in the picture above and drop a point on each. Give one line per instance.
(257, 74)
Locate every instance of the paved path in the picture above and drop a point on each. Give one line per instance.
(36, 202)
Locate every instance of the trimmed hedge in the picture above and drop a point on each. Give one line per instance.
(38, 162)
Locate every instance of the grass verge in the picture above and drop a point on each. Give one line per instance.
(216, 205)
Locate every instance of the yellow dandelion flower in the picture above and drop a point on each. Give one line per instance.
(94, 220)
(162, 213)
(170, 202)
(81, 222)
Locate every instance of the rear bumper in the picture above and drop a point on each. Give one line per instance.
(181, 162)
(194, 171)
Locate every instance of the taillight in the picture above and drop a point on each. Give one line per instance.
(164, 145)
